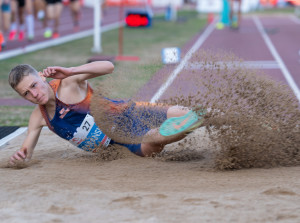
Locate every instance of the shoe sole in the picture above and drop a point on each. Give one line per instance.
(180, 125)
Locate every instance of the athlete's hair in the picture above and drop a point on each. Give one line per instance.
(17, 74)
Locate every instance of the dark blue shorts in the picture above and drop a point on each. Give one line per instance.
(5, 7)
(138, 119)
(134, 148)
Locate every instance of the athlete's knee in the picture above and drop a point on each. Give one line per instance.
(177, 111)
(150, 149)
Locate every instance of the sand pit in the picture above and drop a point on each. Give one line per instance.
(64, 184)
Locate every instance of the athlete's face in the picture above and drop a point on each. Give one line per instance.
(34, 88)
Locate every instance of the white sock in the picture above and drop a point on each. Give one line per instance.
(13, 26)
(30, 25)
(41, 14)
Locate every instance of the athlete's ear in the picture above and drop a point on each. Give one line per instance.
(42, 76)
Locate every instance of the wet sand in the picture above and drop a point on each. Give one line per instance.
(63, 184)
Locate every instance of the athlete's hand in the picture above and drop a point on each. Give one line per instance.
(20, 155)
(57, 72)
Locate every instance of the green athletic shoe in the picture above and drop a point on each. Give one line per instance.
(234, 25)
(186, 123)
(48, 33)
(220, 25)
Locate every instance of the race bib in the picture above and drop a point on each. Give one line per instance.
(88, 136)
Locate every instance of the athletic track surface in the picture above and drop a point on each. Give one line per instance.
(110, 20)
(268, 42)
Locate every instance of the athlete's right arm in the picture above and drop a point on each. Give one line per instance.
(35, 125)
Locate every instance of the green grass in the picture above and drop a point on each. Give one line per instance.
(15, 116)
(127, 78)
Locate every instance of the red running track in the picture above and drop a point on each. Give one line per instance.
(248, 43)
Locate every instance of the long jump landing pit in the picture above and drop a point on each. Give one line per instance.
(63, 184)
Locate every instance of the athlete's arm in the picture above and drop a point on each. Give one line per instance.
(80, 73)
(36, 122)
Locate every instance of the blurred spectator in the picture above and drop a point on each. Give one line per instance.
(4, 20)
(75, 11)
(5, 14)
(295, 3)
(20, 8)
(39, 9)
(53, 12)
(235, 13)
(268, 3)
(224, 16)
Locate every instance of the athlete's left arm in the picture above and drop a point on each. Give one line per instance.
(80, 73)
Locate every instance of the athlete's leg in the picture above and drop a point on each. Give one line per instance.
(154, 142)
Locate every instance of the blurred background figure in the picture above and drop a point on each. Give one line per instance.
(21, 9)
(53, 12)
(268, 3)
(39, 9)
(103, 8)
(235, 13)
(75, 6)
(224, 15)
(4, 20)
(295, 3)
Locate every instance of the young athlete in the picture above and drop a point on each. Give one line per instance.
(64, 106)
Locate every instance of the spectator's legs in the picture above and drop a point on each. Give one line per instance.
(13, 25)
(75, 11)
(58, 9)
(1, 34)
(29, 19)
(6, 15)
(39, 9)
(21, 9)
(53, 12)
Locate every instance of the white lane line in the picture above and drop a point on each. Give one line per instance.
(16, 133)
(54, 42)
(277, 57)
(181, 65)
(235, 64)
(295, 19)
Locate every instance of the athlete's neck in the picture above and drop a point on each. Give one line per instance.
(50, 105)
